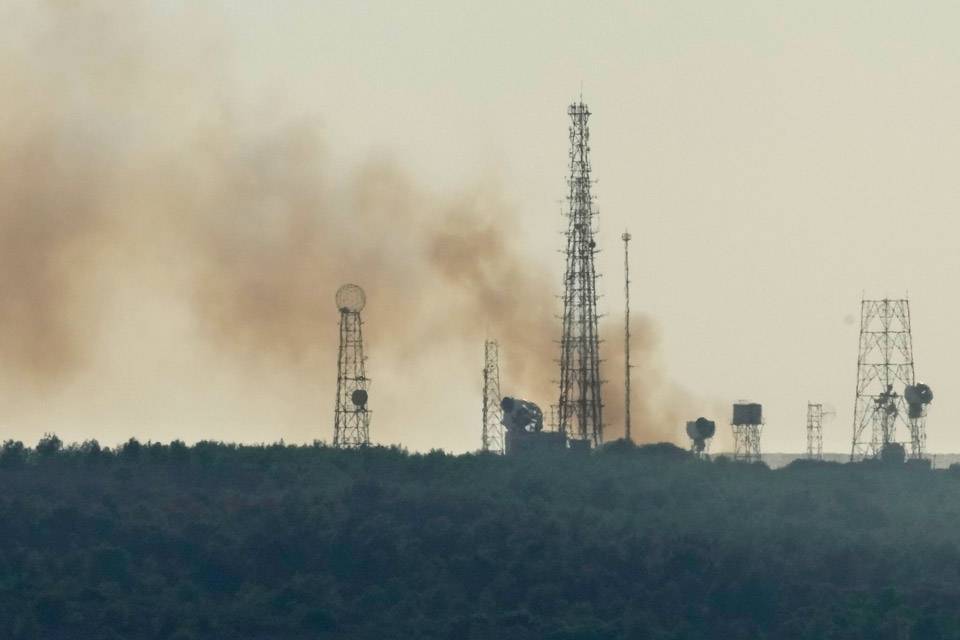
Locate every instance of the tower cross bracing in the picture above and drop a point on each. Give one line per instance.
(580, 410)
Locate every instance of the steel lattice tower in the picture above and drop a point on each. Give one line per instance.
(351, 417)
(580, 410)
(814, 431)
(884, 371)
(492, 413)
(747, 425)
(746, 442)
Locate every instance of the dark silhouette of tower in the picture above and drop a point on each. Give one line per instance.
(492, 412)
(352, 416)
(888, 394)
(580, 410)
(814, 431)
(747, 426)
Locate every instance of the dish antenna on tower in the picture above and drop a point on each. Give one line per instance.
(817, 414)
(351, 416)
(351, 299)
(700, 430)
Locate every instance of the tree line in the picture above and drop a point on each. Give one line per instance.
(150, 540)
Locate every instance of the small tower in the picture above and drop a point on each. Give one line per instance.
(888, 395)
(814, 431)
(579, 409)
(352, 415)
(492, 412)
(747, 424)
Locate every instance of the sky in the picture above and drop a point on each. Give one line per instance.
(188, 183)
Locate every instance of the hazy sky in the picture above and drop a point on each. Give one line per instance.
(773, 161)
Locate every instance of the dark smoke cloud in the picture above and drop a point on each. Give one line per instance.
(115, 158)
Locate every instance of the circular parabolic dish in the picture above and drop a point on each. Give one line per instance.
(350, 298)
(359, 397)
(706, 428)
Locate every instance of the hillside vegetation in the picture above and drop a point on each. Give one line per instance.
(224, 541)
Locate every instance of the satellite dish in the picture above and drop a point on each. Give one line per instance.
(359, 398)
(701, 430)
(911, 394)
(706, 428)
(918, 394)
(521, 415)
(351, 298)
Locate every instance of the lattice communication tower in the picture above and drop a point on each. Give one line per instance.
(814, 431)
(492, 412)
(888, 394)
(352, 415)
(747, 425)
(579, 409)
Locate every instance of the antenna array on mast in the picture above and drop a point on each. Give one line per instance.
(352, 415)
(888, 394)
(579, 408)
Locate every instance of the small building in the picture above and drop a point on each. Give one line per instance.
(520, 442)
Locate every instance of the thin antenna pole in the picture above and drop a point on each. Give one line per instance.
(626, 331)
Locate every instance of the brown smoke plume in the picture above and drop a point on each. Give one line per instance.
(115, 159)
(659, 406)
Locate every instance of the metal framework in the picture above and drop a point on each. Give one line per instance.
(746, 442)
(352, 415)
(492, 412)
(626, 237)
(814, 431)
(747, 424)
(884, 371)
(580, 410)
(700, 449)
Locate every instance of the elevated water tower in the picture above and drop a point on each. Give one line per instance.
(747, 424)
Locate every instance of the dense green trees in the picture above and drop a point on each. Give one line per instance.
(216, 540)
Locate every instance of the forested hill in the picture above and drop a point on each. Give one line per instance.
(221, 541)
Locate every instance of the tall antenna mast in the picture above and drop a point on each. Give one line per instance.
(351, 416)
(579, 408)
(626, 332)
(492, 413)
(888, 394)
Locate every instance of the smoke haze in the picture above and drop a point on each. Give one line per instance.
(157, 241)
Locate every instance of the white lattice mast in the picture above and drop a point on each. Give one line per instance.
(580, 410)
(888, 395)
(814, 431)
(351, 415)
(493, 439)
